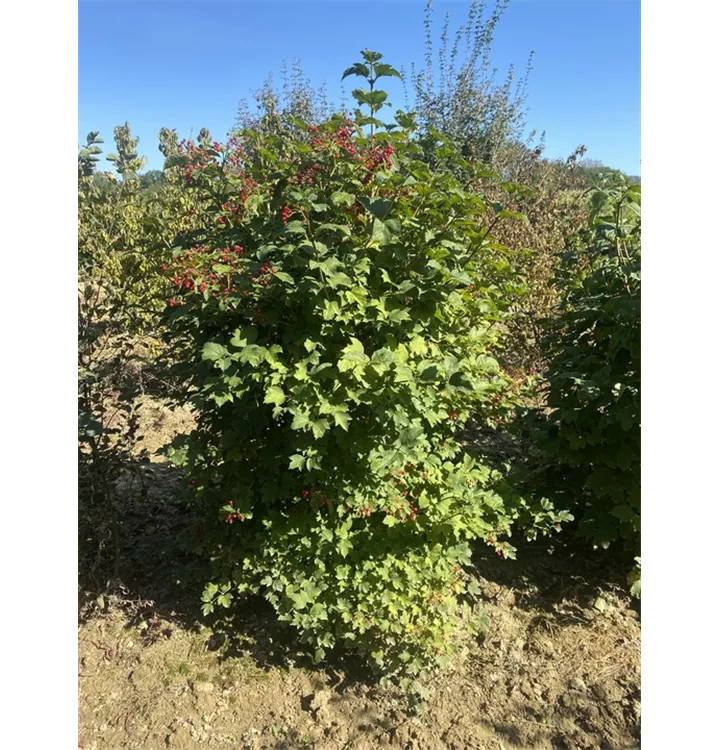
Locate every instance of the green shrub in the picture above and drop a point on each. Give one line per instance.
(122, 239)
(339, 322)
(591, 434)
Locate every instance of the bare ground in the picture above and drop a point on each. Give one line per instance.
(555, 663)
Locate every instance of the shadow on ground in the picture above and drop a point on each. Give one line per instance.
(557, 666)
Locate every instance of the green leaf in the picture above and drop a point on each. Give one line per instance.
(243, 336)
(461, 381)
(404, 374)
(382, 232)
(285, 277)
(331, 309)
(297, 461)
(300, 421)
(429, 372)
(342, 418)
(374, 99)
(383, 69)
(379, 207)
(296, 227)
(275, 395)
(354, 350)
(341, 198)
(370, 56)
(319, 427)
(341, 228)
(417, 345)
(339, 279)
(383, 357)
(212, 351)
(343, 547)
(358, 69)
(253, 354)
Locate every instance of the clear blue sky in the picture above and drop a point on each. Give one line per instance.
(186, 65)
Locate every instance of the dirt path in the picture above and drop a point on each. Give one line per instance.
(546, 675)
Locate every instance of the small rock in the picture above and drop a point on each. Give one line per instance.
(180, 738)
(576, 683)
(203, 687)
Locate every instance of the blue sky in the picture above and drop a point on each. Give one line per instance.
(187, 64)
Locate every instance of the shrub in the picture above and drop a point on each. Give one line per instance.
(122, 227)
(591, 433)
(339, 321)
(554, 207)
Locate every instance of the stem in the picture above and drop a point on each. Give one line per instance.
(481, 244)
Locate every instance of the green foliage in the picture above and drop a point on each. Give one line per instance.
(276, 109)
(339, 318)
(594, 174)
(591, 434)
(555, 206)
(89, 156)
(122, 228)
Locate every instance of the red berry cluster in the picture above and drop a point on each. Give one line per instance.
(230, 518)
(192, 271)
(457, 574)
(307, 177)
(377, 158)
(501, 549)
(189, 220)
(266, 271)
(236, 210)
(355, 210)
(198, 158)
(405, 509)
(286, 213)
(313, 496)
(232, 156)
(342, 137)
(453, 416)
(436, 599)
(235, 155)
(405, 506)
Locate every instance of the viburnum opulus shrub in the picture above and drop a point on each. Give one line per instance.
(339, 322)
(591, 433)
